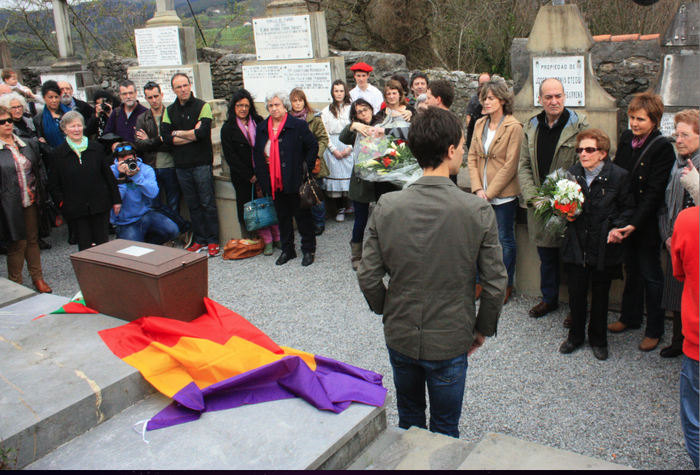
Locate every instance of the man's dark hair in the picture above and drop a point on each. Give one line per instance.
(182, 75)
(50, 86)
(152, 85)
(443, 89)
(127, 83)
(419, 74)
(431, 134)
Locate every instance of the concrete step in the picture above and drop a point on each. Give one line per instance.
(57, 378)
(289, 434)
(11, 292)
(413, 449)
(502, 452)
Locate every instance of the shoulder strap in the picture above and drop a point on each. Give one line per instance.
(646, 149)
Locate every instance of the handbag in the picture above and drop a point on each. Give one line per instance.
(259, 213)
(49, 217)
(243, 248)
(310, 194)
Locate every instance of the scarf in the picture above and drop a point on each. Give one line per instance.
(79, 148)
(675, 193)
(249, 133)
(52, 132)
(275, 168)
(25, 174)
(638, 142)
(301, 114)
(590, 175)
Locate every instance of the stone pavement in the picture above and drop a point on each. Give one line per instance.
(623, 410)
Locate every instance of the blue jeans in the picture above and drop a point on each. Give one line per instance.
(197, 186)
(319, 211)
(174, 216)
(550, 274)
(689, 407)
(167, 181)
(361, 218)
(505, 216)
(445, 379)
(152, 227)
(643, 278)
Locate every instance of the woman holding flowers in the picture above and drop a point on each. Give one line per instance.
(493, 164)
(592, 247)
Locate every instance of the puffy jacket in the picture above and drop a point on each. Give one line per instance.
(608, 204)
(529, 175)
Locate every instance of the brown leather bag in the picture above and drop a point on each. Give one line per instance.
(243, 248)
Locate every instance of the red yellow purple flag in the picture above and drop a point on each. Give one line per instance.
(220, 361)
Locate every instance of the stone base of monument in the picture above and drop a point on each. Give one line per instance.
(11, 292)
(68, 402)
(418, 449)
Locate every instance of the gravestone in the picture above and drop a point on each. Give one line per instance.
(559, 46)
(68, 67)
(291, 47)
(678, 81)
(165, 48)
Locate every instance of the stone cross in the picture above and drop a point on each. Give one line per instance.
(67, 60)
(165, 15)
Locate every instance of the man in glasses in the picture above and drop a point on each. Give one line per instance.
(548, 144)
(123, 120)
(157, 154)
(137, 187)
(186, 126)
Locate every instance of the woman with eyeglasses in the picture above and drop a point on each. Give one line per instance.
(677, 199)
(23, 124)
(82, 184)
(237, 142)
(21, 196)
(592, 247)
(648, 157)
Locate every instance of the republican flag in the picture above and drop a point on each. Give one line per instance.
(221, 361)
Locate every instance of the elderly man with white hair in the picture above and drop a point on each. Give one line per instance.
(282, 145)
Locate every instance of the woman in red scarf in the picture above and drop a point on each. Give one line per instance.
(282, 145)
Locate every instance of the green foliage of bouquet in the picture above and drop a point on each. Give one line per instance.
(386, 158)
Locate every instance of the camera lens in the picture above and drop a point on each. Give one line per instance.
(132, 166)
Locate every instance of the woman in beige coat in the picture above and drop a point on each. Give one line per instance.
(493, 165)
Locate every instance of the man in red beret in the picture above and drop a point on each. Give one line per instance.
(364, 90)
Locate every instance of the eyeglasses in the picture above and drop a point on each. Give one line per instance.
(362, 111)
(126, 148)
(17, 107)
(242, 106)
(684, 136)
(587, 150)
(5, 121)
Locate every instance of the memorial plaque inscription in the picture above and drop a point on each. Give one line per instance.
(160, 76)
(283, 38)
(567, 69)
(313, 78)
(158, 46)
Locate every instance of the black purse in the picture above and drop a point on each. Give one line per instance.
(310, 194)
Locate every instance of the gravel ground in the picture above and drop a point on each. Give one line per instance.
(623, 410)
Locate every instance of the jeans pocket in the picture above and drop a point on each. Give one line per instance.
(452, 372)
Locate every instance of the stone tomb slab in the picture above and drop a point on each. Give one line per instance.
(289, 434)
(15, 315)
(58, 379)
(502, 452)
(11, 292)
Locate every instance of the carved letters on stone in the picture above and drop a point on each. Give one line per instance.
(569, 70)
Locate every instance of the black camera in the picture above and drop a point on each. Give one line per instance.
(132, 164)
(106, 108)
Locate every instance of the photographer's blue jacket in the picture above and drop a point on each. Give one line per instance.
(137, 194)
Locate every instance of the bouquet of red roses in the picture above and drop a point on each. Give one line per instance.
(386, 158)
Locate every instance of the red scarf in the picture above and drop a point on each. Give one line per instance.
(275, 169)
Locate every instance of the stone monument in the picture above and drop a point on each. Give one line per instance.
(559, 47)
(164, 48)
(68, 67)
(291, 47)
(678, 81)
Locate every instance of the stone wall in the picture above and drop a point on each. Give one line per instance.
(623, 68)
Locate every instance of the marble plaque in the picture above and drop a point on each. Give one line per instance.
(69, 78)
(313, 78)
(570, 70)
(161, 77)
(158, 46)
(287, 37)
(667, 127)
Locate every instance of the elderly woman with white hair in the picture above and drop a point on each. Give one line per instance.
(82, 184)
(283, 144)
(23, 124)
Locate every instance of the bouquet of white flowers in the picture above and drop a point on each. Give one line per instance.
(386, 158)
(559, 200)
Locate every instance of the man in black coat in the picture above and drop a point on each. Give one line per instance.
(85, 109)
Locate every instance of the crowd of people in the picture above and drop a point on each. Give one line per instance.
(105, 168)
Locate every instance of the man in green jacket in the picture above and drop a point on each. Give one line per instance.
(549, 143)
(430, 238)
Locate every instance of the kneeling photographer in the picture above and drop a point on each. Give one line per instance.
(138, 188)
